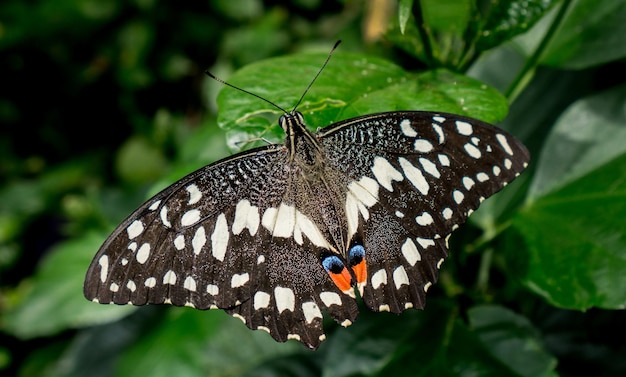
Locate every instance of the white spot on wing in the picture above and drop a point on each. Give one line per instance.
(505, 144)
(246, 216)
(163, 216)
(199, 240)
(219, 238)
(385, 173)
(361, 195)
(190, 217)
(212, 289)
(422, 146)
(239, 317)
(414, 175)
(179, 242)
(507, 163)
(366, 190)
(311, 311)
(285, 299)
(238, 280)
(482, 177)
(150, 282)
(154, 205)
(379, 278)
(468, 183)
(427, 286)
(330, 298)
(424, 219)
(104, 267)
(400, 277)
(280, 221)
(134, 229)
(464, 128)
(444, 160)
(143, 253)
(131, 286)
(304, 226)
(447, 213)
(429, 167)
(425, 242)
(439, 132)
(439, 119)
(285, 221)
(472, 151)
(457, 196)
(194, 194)
(409, 250)
(169, 277)
(406, 128)
(261, 300)
(190, 284)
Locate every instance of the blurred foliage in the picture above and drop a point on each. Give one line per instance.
(103, 103)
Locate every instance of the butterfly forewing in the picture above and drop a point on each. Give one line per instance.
(278, 235)
(229, 236)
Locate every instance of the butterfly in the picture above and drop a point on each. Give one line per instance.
(278, 234)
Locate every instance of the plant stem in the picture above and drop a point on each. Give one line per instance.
(424, 34)
(532, 61)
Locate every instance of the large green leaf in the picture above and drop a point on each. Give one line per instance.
(591, 34)
(436, 342)
(572, 228)
(197, 343)
(508, 18)
(575, 241)
(512, 340)
(588, 134)
(350, 85)
(52, 300)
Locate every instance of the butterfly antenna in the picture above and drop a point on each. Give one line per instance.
(245, 91)
(317, 75)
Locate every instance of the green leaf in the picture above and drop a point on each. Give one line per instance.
(512, 340)
(575, 241)
(52, 300)
(436, 342)
(139, 161)
(592, 34)
(509, 18)
(350, 85)
(190, 342)
(590, 133)
(405, 7)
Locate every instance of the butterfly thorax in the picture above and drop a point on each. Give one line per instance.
(303, 146)
(315, 182)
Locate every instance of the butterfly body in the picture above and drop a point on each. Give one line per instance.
(278, 234)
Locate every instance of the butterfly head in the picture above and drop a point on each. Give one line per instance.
(292, 122)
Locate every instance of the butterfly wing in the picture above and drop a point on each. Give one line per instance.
(421, 174)
(225, 237)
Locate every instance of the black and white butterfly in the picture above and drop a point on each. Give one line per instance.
(277, 234)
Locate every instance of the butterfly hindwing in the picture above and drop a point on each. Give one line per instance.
(424, 173)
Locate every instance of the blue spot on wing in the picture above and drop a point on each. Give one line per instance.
(333, 264)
